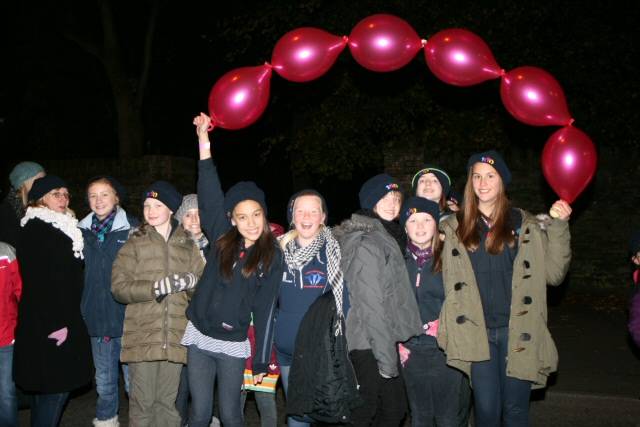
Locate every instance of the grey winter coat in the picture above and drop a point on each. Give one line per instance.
(383, 307)
(544, 253)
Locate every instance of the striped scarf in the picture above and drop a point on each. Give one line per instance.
(297, 258)
(101, 228)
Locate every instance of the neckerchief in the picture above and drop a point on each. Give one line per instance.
(296, 258)
(101, 228)
(421, 255)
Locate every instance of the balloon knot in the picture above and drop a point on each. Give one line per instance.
(423, 42)
(266, 64)
(571, 122)
(211, 126)
(502, 72)
(345, 39)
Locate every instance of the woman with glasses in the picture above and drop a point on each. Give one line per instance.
(52, 353)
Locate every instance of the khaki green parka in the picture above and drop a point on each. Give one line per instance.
(153, 330)
(544, 254)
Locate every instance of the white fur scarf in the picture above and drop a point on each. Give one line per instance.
(64, 222)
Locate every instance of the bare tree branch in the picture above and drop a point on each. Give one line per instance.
(147, 54)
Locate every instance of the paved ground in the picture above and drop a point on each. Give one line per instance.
(598, 383)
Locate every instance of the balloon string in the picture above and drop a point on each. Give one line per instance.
(423, 42)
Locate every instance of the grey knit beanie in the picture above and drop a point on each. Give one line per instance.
(190, 201)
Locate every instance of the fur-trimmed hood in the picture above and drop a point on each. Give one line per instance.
(357, 223)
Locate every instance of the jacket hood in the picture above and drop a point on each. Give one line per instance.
(357, 223)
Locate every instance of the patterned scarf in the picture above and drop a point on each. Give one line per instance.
(421, 255)
(297, 258)
(101, 228)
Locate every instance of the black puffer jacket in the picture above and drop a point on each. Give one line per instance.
(322, 382)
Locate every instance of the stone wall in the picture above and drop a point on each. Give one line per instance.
(603, 219)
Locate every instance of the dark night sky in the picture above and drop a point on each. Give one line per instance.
(55, 101)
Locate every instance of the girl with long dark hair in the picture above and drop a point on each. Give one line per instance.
(241, 277)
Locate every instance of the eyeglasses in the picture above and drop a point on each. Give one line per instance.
(61, 195)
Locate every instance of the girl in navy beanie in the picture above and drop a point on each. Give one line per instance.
(241, 278)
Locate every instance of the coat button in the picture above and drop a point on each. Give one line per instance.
(527, 300)
(461, 319)
(526, 264)
(458, 286)
(455, 252)
(525, 337)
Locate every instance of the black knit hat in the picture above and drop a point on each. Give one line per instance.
(121, 192)
(243, 190)
(439, 173)
(416, 205)
(307, 192)
(165, 192)
(42, 186)
(494, 159)
(375, 189)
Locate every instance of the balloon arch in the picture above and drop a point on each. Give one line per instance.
(384, 43)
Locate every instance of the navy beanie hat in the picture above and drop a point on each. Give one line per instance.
(121, 192)
(375, 189)
(243, 190)
(416, 205)
(42, 186)
(307, 192)
(494, 159)
(165, 192)
(442, 176)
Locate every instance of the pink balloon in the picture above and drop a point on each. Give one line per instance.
(461, 58)
(240, 97)
(383, 43)
(305, 54)
(534, 97)
(569, 161)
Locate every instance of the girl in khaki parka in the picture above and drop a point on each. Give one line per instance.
(497, 261)
(151, 274)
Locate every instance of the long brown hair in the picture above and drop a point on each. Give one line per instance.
(260, 256)
(470, 215)
(436, 247)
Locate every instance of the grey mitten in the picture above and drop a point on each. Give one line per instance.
(173, 283)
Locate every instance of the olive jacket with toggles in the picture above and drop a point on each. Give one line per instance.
(544, 254)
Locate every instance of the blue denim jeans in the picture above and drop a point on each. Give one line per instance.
(266, 403)
(204, 368)
(46, 409)
(8, 399)
(499, 400)
(437, 393)
(106, 359)
(284, 376)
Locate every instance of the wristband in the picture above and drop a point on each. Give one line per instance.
(204, 144)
